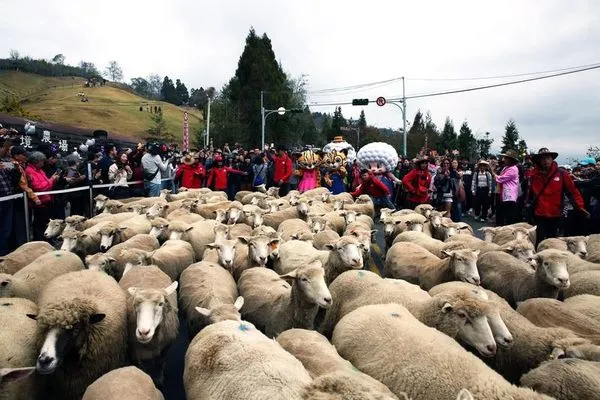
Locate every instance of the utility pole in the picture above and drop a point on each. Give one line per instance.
(208, 123)
(262, 118)
(403, 119)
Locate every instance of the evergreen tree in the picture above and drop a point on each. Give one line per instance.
(484, 145)
(415, 139)
(362, 120)
(467, 144)
(337, 122)
(168, 92)
(448, 140)
(182, 93)
(522, 148)
(510, 139)
(431, 132)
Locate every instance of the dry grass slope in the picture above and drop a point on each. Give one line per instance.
(54, 99)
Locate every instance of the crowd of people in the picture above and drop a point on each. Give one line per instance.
(495, 190)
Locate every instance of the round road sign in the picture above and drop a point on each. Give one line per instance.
(380, 101)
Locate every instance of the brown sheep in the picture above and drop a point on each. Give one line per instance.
(586, 304)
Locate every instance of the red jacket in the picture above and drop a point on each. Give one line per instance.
(192, 175)
(39, 182)
(282, 168)
(548, 204)
(219, 177)
(373, 187)
(417, 183)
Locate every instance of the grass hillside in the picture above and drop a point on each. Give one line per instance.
(54, 99)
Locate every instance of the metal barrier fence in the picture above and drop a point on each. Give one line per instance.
(89, 188)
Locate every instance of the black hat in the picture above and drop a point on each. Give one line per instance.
(543, 152)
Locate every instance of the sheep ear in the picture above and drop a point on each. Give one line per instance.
(171, 288)
(290, 275)
(132, 290)
(447, 253)
(15, 374)
(274, 242)
(244, 239)
(443, 213)
(239, 303)
(95, 318)
(373, 233)
(476, 252)
(32, 316)
(464, 394)
(447, 307)
(204, 311)
(295, 236)
(189, 229)
(532, 229)
(330, 246)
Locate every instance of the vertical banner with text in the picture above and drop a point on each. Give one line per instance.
(186, 132)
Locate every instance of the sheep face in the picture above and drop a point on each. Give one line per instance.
(576, 245)
(303, 207)
(99, 202)
(349, 250)
(522, 250)
(317, 224)
(384, 213)
(226, 252)
(415, 225)
(137, 208)
(260, 247)
(221, 216)
(149, 306)
(72, 240)
(6, 285)
(61, 342)
(474, 328)
(389, 227)
(223, 312)
(234, 215)
(294, 199)
(54, 228)
(489, 233)
(552, 268)
(586, 351)
(464, 265)
(157, 210)
(448, 230)
(158, 228)
(107, 237)
(325, 197)
(424, 210)
(435, 218)
(75, 222)
(364, 238)
(100, 262)
(178, 230)
(255, 218)
(310, 281)
(112, 207)
(350, 216)
(274, 206)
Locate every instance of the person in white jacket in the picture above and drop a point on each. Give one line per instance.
(118, 174)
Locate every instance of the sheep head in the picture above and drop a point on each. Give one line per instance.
(349, 250)
(99, 202)
(159, 226)
(576, 245)
(149, 306)
(310, 283)
(223, 312)
(551, 267)
(260, 247)
(226, 252)
(463, 263)
(75, 222)
(6, 285)
(54, 228)
(317, 223)
(137, 208)
(101, 262)
(522, 249)
(435, 218)
(177, 229)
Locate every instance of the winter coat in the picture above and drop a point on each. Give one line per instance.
(417, 183)
(548, 205)
(509, 181)
(218, 177)
(191, 176)
(39, 182)
(282, 168)
(373, 187)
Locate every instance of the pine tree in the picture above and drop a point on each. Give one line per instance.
(415, 139)
(168, 92)
(336, 123)
(510, 139)
(362, 120)
(182, 93)
(484, 145)
(448, 140)
(159, 132)
(467, 144)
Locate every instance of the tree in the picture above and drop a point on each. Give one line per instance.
(58, 59)
(522, 148)
(467, 144)
(362, 120)
(168, 92)
(484, 145)
(182, 93)
(337, 122)
(14, 54)
(141, 86)
(593, 151)
(114, 71)
(159, 132)
(510, 139)
(448, 140)
(89, 69)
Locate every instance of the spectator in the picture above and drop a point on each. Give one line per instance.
(355, 175)
(234, 182)
(9, 178)
(282, 170)
(75, 178)
(445, 186)
(153, 169)
(259, 171)
(106, 161)
(191, 172)
(508, 181)
(19, 236)
(372, 186)
(548, 185)
(118, 174)
(481, 189)
(417, 183)
(458, 200)
(39, 182)
(467, 179)
(218, 175)
(294, 179)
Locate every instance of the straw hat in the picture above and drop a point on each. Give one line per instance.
(482, 162)
(511, 154)
(543, 152)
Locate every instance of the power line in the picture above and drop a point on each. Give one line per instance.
(363, 85)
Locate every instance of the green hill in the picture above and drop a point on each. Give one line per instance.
(116, 110)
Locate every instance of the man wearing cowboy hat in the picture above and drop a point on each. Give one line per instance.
(191, 172)
(481, 189)
(547, 187)
(508, 179)
(417, 183)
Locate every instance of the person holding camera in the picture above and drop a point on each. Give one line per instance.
(118, 174)
(39, 182)
(153, 169)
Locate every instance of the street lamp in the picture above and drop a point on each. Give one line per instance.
(264, 113)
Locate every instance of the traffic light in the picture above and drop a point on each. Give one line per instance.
(360, 102)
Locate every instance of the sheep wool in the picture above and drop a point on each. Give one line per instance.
(124, 383)
(566, 379)
(22, 256)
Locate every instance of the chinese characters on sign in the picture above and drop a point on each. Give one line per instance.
(26, 142)
(63, 146)
(46, 137)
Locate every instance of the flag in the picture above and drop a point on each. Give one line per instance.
(186, 132)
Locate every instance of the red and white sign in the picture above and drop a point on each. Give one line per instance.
(380, 101)
(186, 132)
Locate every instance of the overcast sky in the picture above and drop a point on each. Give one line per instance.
(344, 43)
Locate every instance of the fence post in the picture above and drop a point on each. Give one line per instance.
(27, 229)
(91, 189)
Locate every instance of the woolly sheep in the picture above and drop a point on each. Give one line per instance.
(364, 234)
(201, 234)
(593, 247)
(137, 208)
(274, 305)
(576, 264)
(158, 209)
(532, 345)
(503, 234)
(462, 228)
(173, 257)
(18, 349)
(432, 245)
(353, 216)
(575, 244)
(516, 281)
(521, 249)
(443, 231)
(208, 294)
(299, 211)
(363, 205)
(550, 313)
(153, 324)
(253, 216)
(292, 226)
(178, 230)
(324, 238)
(462, 313)
(410, 356)
(185, 215)
(233, 360)
(424, 209)
(114, 207)
(77, 222)
(584, 282)
(54, 228)
(210, 210)
(253, 252)
(413, 263)
(336, 220)
(340, 256)
(82, 315)
(99, 202)
(328, 197)
(29, 282)
(348, 385)
(586, 304)
(316, 223)
(22, 256)
(237, 230)
(112, 233)
(85, 242)
(568, 379)
(116, 218)
(124, 383)
(221, 252)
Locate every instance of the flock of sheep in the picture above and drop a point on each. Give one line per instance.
(454, 317)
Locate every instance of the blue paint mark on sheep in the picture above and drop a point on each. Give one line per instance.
(361, 274)
(244, 328)
(395, 314)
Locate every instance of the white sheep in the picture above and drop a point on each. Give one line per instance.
(221, 252)
(208, 294)
(54, 228)
(123, 383)
(83, 243)
(409, 261)
(584, 282)
(301, 211)
(233, 360)
(184, 214)
(575, 244)
(290, 227)
(22, 256)
(173, 257)
(274, 305)
(324, 238)
(434, 246)
(567, 379)
(593, 247)
(112, 233)
(424, 209)
(586, 304)
(253, 252)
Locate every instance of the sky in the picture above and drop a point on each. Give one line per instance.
(339, 43)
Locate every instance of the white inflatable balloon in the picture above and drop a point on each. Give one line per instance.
(378, 153)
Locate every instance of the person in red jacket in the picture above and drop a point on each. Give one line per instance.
(217, 177)
(547, 186)
(372, 186)
(282, 170)
(417, 183)
(191, 172)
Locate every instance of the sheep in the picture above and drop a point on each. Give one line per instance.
(413, 263)
(123, 383)
(185, 215)
(593, 247)
(241, 194)
(199, 236)
(113, 262)
(340, 256)
(336, 220)
(22, 256)
(18, 350)
(363, 205)
(586, 304)
(316, 223)
(575, 244)
(114, 207)
(139, 209)
(83, 243)
(273, 305)
(394, 225)
(177, 230)
(407, 356)
(550, 313)
(432, 245)
(99, 202)
(328, 197)
(292, 226)
(173, 257)
(253, 216)
(299, 211)
(324, 238)
(321, 360)
(576, 264)
(77, 222)
(221, 252)
(584, 282)
(567, 379)
(353, 216)
(462, 313)
(112, 233)
(208, 294)
(31, 280)
(364, 235)
(462, 228)
(54, 228)
(316, 192)
(82, 316)
(233, 360)
(234, 213)
(116, 218)
(158, 209)
(516, 281)
(170, 197)
(532, 345)
(238, 230)
(152, 317)
(424, 209)
(210, 210)
(254, 252)
(503, 234)
(443, 231)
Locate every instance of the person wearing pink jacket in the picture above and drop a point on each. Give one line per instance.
(508, 181)
(39, 182)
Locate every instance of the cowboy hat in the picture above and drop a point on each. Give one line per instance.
(543, 152)
(511, 154)
(482, 162)
(188, 158)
